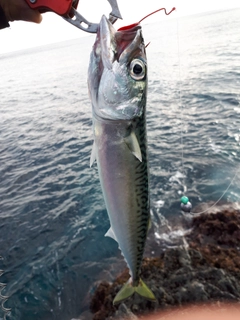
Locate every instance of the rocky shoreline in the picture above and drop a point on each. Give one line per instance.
(205, 270)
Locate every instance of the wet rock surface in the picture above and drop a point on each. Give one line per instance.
(206, 270)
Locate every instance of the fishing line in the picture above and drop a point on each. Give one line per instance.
(148, 15)
(180, 96)
(226, 190)
(186, 205)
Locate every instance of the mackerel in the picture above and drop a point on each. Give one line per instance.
(117, 81)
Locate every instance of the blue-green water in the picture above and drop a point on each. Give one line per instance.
(52, 214)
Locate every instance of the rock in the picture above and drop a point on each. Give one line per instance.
(124, 312)
(206, 270)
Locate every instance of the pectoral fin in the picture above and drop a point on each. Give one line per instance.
(93, 154)
(133, 145)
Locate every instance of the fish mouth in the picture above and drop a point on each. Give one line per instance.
(114, 43)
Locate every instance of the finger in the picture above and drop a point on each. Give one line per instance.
(30, 15)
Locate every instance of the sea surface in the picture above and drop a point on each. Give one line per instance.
(52, 214)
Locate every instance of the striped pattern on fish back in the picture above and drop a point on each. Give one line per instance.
(142, 192)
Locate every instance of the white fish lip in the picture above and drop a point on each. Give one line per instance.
(107, 41)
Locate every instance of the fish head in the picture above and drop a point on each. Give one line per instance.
(117, 76)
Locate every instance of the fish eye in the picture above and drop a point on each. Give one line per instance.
(137, 69)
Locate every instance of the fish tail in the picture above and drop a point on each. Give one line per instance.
(128, 290)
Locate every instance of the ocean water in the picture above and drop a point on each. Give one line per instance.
(52, 213)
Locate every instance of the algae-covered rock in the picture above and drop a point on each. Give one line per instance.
(207, 269)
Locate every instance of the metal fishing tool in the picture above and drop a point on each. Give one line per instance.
(67, 10)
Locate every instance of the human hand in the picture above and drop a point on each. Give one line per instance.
(222, 312)
(19, 10)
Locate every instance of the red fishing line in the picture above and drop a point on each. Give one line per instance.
(137, 23)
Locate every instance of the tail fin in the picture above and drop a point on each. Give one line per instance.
(128, 290)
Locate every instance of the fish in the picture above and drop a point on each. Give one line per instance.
(117, 83)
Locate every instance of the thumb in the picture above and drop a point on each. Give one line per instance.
(19, 10)
(30, 15)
